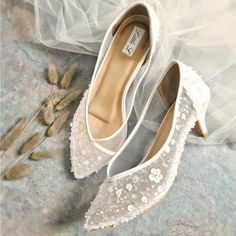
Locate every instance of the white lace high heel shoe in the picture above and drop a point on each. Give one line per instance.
(137, 181)
(99, 125)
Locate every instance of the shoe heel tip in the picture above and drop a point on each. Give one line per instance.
(201, 129)
(205, 135)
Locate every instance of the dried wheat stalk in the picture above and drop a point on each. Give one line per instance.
(57, 96)
(72, 96)
(68, 76)
(14, 133)
(39, 155)
(18, 171)
(48, 113)
(31, 142)
(58, 124)
(52, 74)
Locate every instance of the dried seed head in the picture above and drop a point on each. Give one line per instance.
(72, 96)
(39, 155)
(18, 171)
(30, 144)
(52, 74)
(68, 76)
(58, 124)
(13, 134)
(57, 96)
(48, 113)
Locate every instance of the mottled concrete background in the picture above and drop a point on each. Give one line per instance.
(49, 201)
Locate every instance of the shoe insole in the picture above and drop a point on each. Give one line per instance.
(162, 134)
(127, 52)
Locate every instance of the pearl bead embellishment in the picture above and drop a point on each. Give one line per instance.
(144, 199)
(130, 207)
(167, 149)
(110, 189)
(173, 142)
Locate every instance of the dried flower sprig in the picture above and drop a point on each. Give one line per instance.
(57, 101)
(13, 134)
(48, 113)
(39, 155)
(52, 74)
(18, 171)
(57, 96)
(32, 142)
(58, 124)
(68, 76)
(71, 97)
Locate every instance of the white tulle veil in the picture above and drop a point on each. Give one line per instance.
(200, 33)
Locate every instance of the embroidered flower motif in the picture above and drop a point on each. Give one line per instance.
(155, 175)
(119, 192)
(129, 187)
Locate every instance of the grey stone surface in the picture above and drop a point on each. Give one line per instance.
(49, 201)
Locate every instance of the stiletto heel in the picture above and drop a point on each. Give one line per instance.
(200, 126)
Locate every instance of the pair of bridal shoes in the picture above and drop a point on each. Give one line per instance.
(136, 179)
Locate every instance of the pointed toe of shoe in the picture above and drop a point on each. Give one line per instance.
(112, 206)
(123, 198)
(101, 214)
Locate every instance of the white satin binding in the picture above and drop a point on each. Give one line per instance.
(88, 154)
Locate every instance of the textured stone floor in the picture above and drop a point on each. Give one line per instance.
(49, 201)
